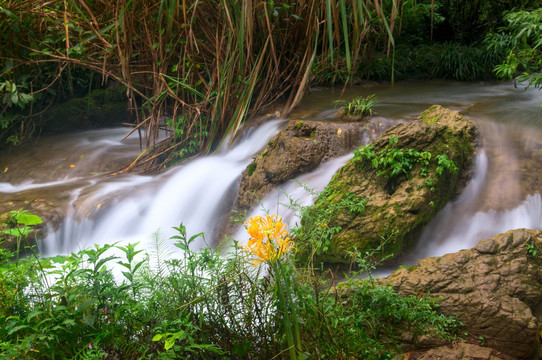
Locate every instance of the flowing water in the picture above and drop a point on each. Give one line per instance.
(64, 176)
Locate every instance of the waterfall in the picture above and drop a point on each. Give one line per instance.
(64, 175)
(194, 193)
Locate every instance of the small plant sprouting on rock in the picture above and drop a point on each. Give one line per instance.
(392, 162)
(359, 106)
(531, 249)
(317, 222)
(251, 168)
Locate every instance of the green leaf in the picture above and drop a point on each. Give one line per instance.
(27, 219)
(17, 328)
(18, 231)
(14, 98)
(182, 246)
(128, 275)
(169, 343)
(194, 237)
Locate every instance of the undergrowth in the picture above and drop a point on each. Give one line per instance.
(200, 304)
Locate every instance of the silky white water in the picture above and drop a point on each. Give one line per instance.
(194, 194)
(65, 174)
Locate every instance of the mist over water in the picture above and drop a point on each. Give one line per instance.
(503, 193)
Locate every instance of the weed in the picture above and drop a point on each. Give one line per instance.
(359, 106)
(393, 163)
(532, 249)
(317, 222)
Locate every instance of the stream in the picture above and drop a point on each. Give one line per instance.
(65, 176)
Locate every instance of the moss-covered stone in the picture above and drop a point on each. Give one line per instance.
(395, 213)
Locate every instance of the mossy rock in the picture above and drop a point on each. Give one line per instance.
(396, 209)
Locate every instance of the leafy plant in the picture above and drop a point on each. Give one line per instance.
(317, 222)
(359, 106)
(251, 168)
(172, 66)
(202, 304)
(392, 163)
(521, 40)
(532, 249)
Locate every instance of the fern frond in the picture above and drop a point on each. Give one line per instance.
(158, 252)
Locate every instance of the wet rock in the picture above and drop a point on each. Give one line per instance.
(457, 351)
(494, 289)
(49, 211)
(301, 147)
(395, 207)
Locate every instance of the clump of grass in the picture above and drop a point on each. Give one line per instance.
(359, 106)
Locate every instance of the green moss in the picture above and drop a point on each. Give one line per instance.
(251, 168)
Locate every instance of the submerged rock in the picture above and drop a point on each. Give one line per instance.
(391, 189)
(301, 147)
(494, 289)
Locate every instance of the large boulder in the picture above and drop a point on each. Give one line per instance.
(494, 289)
(299, 148)
(390, 189)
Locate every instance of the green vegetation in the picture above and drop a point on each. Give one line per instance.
(532, 249)
(359, 106)
(201, 68)
(315, 233)
(393, 163)
(521, 41)
(251, 168)
(200, 304)
(204, 65)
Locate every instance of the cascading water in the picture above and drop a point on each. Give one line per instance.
(195, 194)
(504, 192)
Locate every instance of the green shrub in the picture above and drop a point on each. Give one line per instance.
(202, 304)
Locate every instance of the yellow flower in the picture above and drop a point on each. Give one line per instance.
(269, 238)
